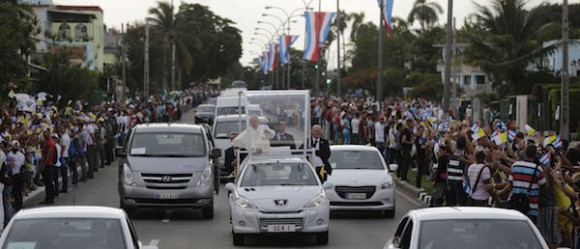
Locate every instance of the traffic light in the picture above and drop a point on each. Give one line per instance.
(316, 66)
(328, 81)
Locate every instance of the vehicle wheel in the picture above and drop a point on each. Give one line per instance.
(239, 240)
(322, 238)
(129, 210)
(389, 213)
(207, 213)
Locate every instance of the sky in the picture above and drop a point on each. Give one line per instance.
(247, 13)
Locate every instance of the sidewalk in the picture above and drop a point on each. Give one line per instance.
(412, 191)
(28, 201)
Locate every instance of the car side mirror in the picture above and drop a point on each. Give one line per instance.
(230, 187)
(393, 167)
(215, 153)
(120, 152)
(327, 185)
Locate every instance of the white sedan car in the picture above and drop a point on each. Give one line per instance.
(71, 227)
(361, 180)
(276, 196)
(466, 227)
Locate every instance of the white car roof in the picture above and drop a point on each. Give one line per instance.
(352, 147)
(275, 159)
(71, 212)
(454, 213)
(168, 127)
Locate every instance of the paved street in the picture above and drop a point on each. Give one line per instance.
(185, 229)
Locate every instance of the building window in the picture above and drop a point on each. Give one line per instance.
(81, 32)
(480, 79)
(64, 31)
(467, 80)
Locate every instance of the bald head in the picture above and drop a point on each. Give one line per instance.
(316, 131)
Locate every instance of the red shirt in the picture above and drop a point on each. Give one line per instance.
(48, 152)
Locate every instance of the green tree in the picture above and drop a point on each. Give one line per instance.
(17, 27)
(426, 12)
(506, 40)
(66, 79)
(135, 41)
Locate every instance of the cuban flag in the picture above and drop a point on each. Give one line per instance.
(317, 28)
(546, 159)
(272, 59)
(512, 135)
(265, 63)
(286, 42)
(474, 127)
(388, 13)
(558, 142)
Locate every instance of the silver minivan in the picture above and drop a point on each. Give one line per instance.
(167, 166)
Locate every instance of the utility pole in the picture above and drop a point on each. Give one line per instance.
(338, 75)
(173, 83)
(317, 88)
(448, 55)
(146, 62)
(565, 101)
(122, 94)
(454, 83)
(380, 66)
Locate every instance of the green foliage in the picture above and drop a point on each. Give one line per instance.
(509, 38)
(135, 53)
(425, 85)
(66, 79)
(16, 42)
(427, 13)
(207, 45)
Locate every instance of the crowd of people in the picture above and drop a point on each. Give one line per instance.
(488, 164)
(51, 145)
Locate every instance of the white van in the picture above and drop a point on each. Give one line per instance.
(229, 105)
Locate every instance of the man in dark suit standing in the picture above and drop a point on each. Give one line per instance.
(322, 153)
(283, 139)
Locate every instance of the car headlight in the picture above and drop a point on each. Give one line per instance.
(205, 178)
(318, 200)
(244, 203)
(128, 178)
(387, 185)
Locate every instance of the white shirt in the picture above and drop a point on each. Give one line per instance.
(91, 130)
(355, 123)
(259, 138)
(315, 160)
(65, 142)
(392, 138)
(58, 154)
(18, 160)
(380, 132)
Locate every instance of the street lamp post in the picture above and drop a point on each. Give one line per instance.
(565, 91)
(282, 27)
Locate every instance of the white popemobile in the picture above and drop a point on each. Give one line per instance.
(277, 190)
(278, 196)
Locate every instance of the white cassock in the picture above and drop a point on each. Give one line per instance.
(259, 138)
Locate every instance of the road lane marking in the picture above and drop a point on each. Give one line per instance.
(414, 201)
(154, 242)
(165, 220)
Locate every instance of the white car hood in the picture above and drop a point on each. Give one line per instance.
(359, 177)
(264, 197)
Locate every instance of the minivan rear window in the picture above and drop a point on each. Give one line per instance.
(157, 144)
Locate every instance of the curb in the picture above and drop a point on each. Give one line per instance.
(417, 193)
(40, 190)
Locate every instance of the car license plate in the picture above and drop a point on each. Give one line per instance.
(165, 196)
(356, 196)
(281, 228)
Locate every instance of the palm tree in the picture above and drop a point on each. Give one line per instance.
(163, 19)
(504, 40)
(357, 19)
(427, 13)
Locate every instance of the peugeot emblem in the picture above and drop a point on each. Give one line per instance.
(281, 203)
(166, 179)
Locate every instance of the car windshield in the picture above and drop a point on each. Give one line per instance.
(205, 109)
(229, 110)
(477, 234)
(168, 145)
(224, 128)
(355, 159)
(279, 174)
(65, 233)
